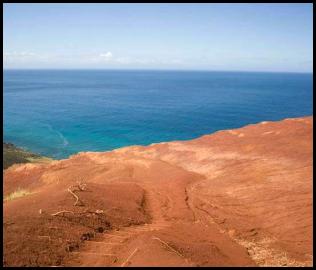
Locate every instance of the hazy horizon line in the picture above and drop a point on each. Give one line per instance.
(140, 69)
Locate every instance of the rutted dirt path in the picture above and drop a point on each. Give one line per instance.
(168, 202)
(106, 249)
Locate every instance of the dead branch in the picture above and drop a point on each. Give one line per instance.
(129, 257)
(61, 212)
(73, 194)
(98, 211)
(79, 213)
(81, 186)
(172, 249)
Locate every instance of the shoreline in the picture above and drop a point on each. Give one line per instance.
(29, 152)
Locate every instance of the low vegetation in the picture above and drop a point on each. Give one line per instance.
(13, 155)
(17, 194)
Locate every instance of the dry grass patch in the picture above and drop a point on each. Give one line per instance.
(17, 194)
(264, 255)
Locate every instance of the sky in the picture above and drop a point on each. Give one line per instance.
(230, 37)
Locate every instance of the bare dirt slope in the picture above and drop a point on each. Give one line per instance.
(234, 198)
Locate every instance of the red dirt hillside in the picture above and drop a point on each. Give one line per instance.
(238, 197)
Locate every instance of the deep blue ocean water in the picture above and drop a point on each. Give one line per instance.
(61, 112)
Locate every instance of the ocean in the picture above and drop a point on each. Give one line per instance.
(58, 113)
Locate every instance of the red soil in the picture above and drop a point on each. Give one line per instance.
(234, 198)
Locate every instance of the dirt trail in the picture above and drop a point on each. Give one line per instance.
(152, 244)
(164, 199)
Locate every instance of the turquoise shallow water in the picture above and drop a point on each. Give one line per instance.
(60, 112)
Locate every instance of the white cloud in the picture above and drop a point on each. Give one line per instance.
(106, 56)
(18, 54)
